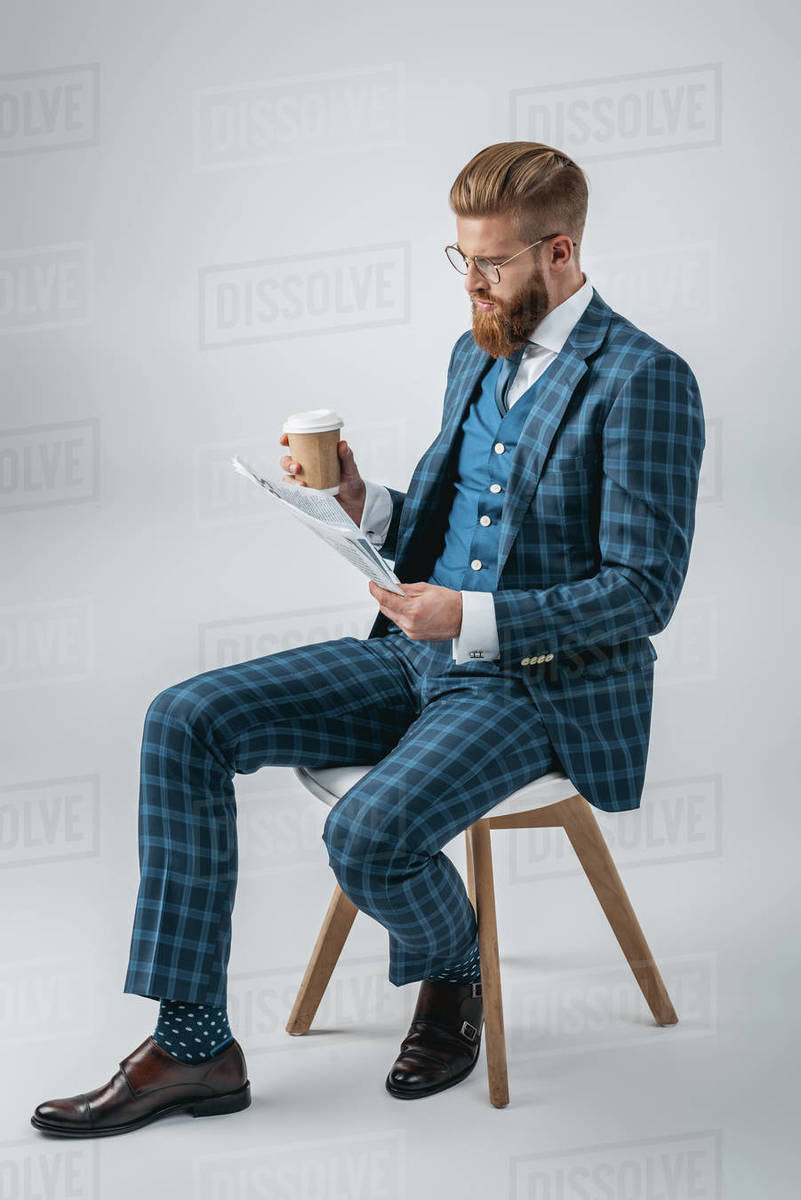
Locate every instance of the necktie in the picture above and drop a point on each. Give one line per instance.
(505, 376)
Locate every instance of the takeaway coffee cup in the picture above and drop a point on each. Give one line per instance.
(313, 438)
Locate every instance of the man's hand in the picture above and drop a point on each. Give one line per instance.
(427, 613)
(352, 488)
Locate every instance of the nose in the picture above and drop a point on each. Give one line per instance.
(474, 280)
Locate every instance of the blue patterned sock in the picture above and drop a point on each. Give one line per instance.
(192, 1032)
(465, 971)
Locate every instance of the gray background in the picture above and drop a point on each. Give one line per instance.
(163, 168)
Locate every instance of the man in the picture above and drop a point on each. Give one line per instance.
(545, 535)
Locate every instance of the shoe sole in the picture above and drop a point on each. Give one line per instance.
(431, 1089)
(231, 1102)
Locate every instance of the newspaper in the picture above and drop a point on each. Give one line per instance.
(325, 516)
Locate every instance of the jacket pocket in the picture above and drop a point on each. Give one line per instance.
(567, 485)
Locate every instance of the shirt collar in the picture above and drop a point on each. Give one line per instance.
(556, 326)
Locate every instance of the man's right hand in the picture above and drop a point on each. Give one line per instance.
(352, 488)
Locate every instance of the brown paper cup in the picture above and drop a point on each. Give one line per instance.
(318, 458)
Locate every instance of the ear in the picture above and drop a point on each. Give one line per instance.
(562, 253)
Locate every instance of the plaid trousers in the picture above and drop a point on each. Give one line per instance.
(448, 741)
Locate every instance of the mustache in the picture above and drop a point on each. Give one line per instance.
(520, 308)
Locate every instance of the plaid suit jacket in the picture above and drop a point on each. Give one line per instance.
(594, 541)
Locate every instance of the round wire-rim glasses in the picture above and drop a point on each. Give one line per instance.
(490, 270)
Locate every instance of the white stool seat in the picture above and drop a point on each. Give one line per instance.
(329, 784)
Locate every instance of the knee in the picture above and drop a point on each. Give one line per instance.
(182, 704)
(351, 846)
(359, 847)
(334, 836)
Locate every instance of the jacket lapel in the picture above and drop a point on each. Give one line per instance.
(432, 470)
(559, 382)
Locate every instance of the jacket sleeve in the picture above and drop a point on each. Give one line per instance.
(652, 444)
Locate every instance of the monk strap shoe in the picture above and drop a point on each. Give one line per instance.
(443, 1042)
(149, 1084)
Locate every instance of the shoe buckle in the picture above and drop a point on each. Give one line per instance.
(469, 1031)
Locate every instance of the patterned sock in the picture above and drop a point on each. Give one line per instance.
(465, 971)
(191, 1032)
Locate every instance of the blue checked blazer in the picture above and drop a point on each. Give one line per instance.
(595, 536)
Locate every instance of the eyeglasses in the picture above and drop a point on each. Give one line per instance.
(490, 270)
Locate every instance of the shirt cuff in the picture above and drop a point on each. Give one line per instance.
(377, 513)
(478, 636)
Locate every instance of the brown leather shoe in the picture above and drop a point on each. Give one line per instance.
(150, 1084)
(443, 1041)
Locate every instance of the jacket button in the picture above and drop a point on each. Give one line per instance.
(499, 447)
(495, 487)
(524, 662)
(476, 564)
(485, 520)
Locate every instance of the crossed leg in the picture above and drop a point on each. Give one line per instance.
(468, 749)
(445, 750)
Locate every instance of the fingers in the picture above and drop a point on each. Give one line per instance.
(289, 463)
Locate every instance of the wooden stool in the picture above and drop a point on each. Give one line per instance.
(550, 800)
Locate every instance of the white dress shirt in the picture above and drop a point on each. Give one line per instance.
(479, 631)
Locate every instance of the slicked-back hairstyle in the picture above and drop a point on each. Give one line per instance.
(542, 189)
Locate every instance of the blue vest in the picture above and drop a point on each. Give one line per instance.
(479, 490)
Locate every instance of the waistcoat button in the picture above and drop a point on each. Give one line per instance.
(476, 564)
(495, 487)
(499, 447)
(485, 520)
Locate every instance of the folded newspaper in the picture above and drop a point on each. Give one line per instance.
(325, 516)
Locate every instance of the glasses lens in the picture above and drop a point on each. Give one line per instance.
(488, 270)
(456, 259)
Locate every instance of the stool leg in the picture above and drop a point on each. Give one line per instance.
(471, 875)
(327, 949)
(494, 1038)
(593, 854)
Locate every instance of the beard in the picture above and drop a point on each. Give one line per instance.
(507, 327)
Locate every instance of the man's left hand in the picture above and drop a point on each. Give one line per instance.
(427, 613)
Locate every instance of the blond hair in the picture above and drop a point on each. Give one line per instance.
(542, 189)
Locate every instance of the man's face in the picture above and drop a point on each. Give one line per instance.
(504, 313)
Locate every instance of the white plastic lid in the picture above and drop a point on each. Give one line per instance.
(315, 420)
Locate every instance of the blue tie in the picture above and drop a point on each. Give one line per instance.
(505, 376)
